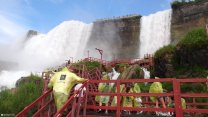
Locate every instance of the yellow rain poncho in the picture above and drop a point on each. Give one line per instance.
(62, 82)
(122, 90)
(183, 103)
(104, 88)
(155, 87)
(136, 89)
(128, 100)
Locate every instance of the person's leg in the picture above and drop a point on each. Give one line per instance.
(106, 111)
(100, 104)
(55, 99)
(157, 103)
(163, 102)
(60, 99)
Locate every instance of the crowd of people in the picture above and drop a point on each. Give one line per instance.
(63, 81)
(133, 101)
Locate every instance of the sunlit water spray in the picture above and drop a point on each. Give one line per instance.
(154, 32)
(64, 41)
(47, 50)
(69, 39)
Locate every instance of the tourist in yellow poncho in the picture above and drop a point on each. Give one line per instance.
(122, 90)
(62, 82)
(103, 88)
(137, 99)
(183, 103)
(156, 87)
(127, 101)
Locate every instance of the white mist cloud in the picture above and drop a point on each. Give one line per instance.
(12, 19)
(9, 30)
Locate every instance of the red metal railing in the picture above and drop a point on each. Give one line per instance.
(176, 93)
(42, 102)
(146, 62)
(75, 105)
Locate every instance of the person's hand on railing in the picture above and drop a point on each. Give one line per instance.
(86, 80)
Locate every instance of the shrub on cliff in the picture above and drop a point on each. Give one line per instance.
(25, 93)
(196, 38)
(177, 4)
(32, 78)
(187, 59)
(164, 60)
(169, 49)
(192, 50)
(89, 64)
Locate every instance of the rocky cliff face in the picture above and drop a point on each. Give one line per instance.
(118, 37)
(187, 17)
(31, 33)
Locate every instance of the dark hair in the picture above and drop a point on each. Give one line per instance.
(128, 88)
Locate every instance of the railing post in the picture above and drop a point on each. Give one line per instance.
(73, 108)
(194, 102)
(85, 102)
(118, 99)
(177, 98)
(78, 104)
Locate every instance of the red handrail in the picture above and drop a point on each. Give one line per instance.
(69, 101)
(176, 94)
(34, 103)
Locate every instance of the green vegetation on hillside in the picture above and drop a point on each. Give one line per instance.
(169, 49)
(91, 64)
(196, 38)
(25, 93)
(187, 59)
(177, 4)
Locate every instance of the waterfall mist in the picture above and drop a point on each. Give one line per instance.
(104, 36)
(46, 50)
(61, 43)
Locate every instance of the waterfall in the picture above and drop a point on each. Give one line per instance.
(71, 39)
(47, 50)
(154, 32)
(64, 41)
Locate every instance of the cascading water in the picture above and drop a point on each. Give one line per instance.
(70, 39)
(154, 32)
(47, 50)
(61, 43)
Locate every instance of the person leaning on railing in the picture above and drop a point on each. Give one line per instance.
(137, 99)
(127, 101)
(156, 87)
(62, 82)
(122, 90)
(103, 88)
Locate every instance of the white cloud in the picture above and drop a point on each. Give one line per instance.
(9, 29)
(12, 19)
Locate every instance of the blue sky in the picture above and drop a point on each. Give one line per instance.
(17, 16)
